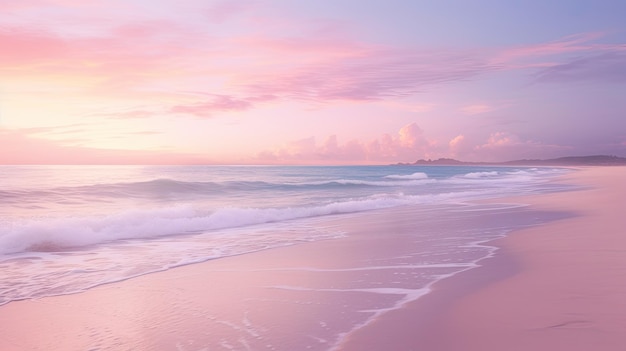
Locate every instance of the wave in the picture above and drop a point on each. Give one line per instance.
(373, 183)
(170, 188)
(414, 176)
(512, 175)
(478, 175)
(71, 232)
(50, 233)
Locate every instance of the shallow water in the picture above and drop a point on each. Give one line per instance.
(66, 229)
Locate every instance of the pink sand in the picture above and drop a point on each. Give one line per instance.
(559, 286)
(552, 287)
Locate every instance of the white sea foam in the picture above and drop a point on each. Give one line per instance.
(370, 268)
(38, 274)
(475, 175)
(414, 176)
(395, 180)
(60, 233)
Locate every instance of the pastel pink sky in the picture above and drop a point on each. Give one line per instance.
(309, 82)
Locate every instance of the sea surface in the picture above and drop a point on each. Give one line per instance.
(66, 229)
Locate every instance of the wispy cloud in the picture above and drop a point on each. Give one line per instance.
(132, 57)
(373, 75)
(137, 57)
(541, 54)
(29, 47)
(577, 57)
(219, 103)
(22, 147)
(605, 68)
(54, 130)
(128, 114)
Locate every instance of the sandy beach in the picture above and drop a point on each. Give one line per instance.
(554, 286)
(558, 286)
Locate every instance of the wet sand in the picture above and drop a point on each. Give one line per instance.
(302, 297)
(558, 286)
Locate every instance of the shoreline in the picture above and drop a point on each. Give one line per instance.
(547, 287)
(420, 325)
(327, 285)
(231, 302)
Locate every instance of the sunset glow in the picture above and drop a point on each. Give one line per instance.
(309, 82)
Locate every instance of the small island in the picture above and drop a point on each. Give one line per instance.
(595, 160)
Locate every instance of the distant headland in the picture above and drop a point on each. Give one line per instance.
(595, 160)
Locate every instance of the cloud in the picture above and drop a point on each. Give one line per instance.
(126, 59)
(574, 42)
(361, 72)
(219, 103)
(603, 68)
(501, 146)
(129, 114)
(544, 54)
(407, 145)
(411, 136)
(373, 75)
(67, 137)
(457, 146)
(575, 58)
(74, 128)
(30, 46)
(499, 139)
(203, 107)
(137, 56)
(20, 147)
(206, 109)
(505, 146)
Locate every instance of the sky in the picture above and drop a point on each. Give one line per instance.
(310, 81)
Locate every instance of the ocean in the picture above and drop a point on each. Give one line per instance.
(67, 229)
